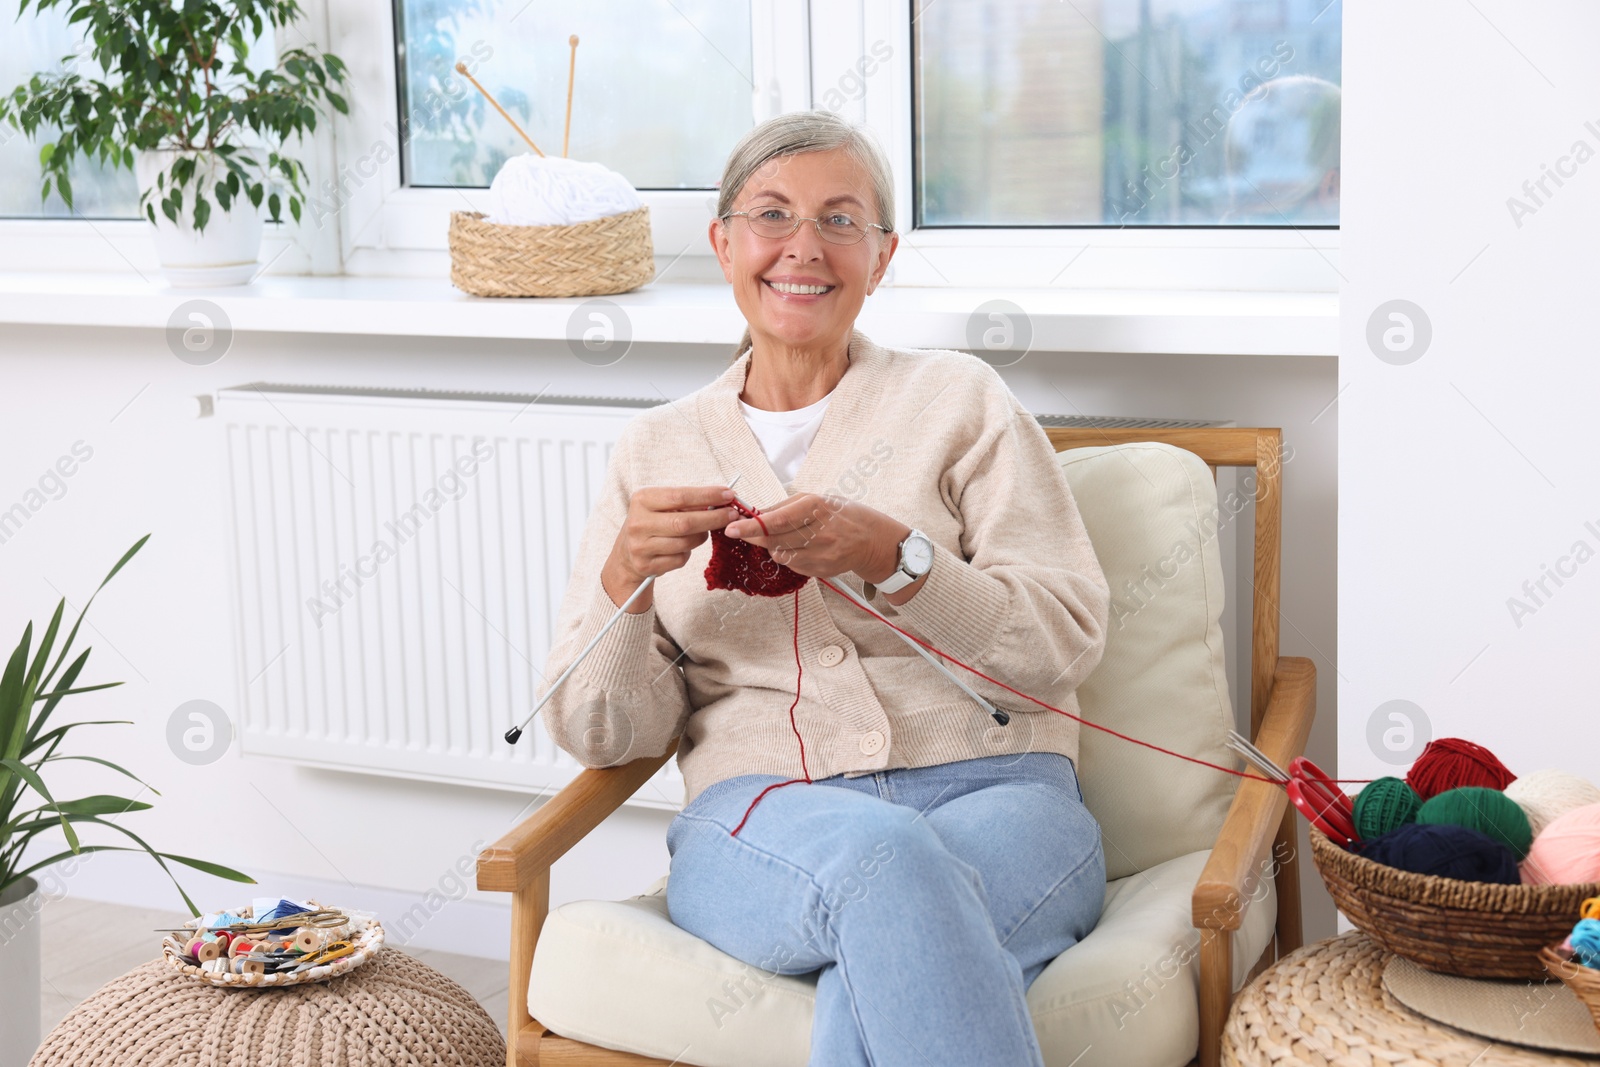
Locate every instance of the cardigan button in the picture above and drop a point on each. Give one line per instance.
(831, 656)
(872, 742)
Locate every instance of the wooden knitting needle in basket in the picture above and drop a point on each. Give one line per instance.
(461, 69)
(572, 68)
(514, 734)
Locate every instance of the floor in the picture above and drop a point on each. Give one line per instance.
(85, 944)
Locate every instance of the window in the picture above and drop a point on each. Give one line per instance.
(662, 91)
(1126, 113)
(41, 42)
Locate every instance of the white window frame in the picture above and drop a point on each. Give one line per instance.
(802, 50)
(1252, 259)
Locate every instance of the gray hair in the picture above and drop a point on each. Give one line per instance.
(792, 134)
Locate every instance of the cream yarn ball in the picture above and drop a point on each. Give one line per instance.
(1547, 795)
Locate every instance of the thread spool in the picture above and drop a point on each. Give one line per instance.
(1452, 762)
(1568, 851)
(207, 951)
(1545, 796)
(309, 940)
(239, 947)
(1486, 810)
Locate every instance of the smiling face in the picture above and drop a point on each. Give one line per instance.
(801, 291)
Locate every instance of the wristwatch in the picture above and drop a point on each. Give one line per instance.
(916, 559)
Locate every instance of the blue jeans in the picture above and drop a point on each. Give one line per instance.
(927, 898)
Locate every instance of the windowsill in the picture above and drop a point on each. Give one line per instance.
(1065, 320)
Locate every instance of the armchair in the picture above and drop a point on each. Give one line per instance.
(1203, 866)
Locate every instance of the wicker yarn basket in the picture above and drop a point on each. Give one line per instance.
(595, 258)
(1583, 981)
(1471, 929)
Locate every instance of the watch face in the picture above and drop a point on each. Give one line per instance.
(919, 554)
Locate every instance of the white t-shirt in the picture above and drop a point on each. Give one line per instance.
(786, 436)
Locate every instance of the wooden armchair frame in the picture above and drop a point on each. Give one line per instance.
(1282, 705)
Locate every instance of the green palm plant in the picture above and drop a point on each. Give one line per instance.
(29, 695)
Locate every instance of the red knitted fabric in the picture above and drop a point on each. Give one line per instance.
(737, 564)
(749, 568)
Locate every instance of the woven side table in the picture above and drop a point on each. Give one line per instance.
(392, 1010)
(1325, 1006)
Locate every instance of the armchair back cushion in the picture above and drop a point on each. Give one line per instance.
(1151, 512)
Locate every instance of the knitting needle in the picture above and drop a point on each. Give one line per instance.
(1240, 744)
(572, 67)
(514, 734)
(999, 716)
(461, 69)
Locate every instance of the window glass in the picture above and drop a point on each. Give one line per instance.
(1127, 112)
(41, 43)
(661, 93)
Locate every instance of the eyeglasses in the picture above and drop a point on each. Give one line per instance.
(836, 227)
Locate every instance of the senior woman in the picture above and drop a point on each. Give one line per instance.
(934, 862)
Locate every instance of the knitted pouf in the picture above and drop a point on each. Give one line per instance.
(391, 1010)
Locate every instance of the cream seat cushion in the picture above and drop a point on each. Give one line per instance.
(618, 974)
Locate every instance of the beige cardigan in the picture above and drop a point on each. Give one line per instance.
(933, 438)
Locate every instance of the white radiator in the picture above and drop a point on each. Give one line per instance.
(398, 562)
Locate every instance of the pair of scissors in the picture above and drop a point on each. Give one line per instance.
(1312, 792)
(1325, 805)
(1591, 909)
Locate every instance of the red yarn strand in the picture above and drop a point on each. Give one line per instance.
(753, 513)
(799, 673)
(1048, 707)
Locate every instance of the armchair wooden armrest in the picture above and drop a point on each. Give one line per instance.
(519, 864)
(1258, 817)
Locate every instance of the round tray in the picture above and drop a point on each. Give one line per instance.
(1471, 929)
(1541, 1015)
(366, 936)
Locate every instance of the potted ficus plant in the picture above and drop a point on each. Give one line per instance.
(182, 105)
(32, 687)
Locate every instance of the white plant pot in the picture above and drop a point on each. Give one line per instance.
(226, 252)
(19, 972)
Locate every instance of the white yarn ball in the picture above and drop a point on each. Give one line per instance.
(535, 190)
(1546, 795)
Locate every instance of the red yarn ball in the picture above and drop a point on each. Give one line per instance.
(1450, 763)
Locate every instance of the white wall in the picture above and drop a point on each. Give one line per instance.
(163, 624)
(1469, 470)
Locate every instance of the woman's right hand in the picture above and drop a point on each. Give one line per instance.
(664, 525)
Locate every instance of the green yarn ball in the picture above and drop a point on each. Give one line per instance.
(1385, 804)
(1486, 810)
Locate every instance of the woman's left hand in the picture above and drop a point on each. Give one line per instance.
(821, 537)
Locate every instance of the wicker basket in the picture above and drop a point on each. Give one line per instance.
(596, 258)
(1583, 981)
(1471, 929)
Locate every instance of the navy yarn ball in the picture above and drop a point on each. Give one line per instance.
(1446, 851)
